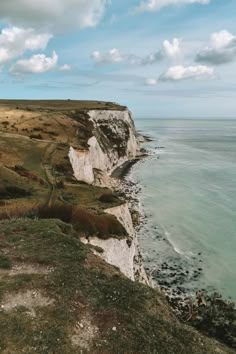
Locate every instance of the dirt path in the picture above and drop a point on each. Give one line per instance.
(46, 166)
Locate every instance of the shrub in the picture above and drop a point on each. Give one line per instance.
(11, 192)
(216, 317)
(36, 136)
(52, 133)
(61, 168)
(5, 262)
(60, 185)
(103, 225)
(210, 314)
(108, 197)
(28, 174)
(56, 211)
(37, 129)
(84, 221)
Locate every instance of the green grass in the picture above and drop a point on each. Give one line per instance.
(80, 285)
(5, 262)
(61, 105)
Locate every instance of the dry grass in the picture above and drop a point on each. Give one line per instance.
(85, 222)
(59, 105)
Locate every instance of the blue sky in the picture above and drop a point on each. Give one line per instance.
(161, 58)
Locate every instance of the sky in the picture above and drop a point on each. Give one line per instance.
(161, 58)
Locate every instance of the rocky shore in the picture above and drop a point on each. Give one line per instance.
(209, 313)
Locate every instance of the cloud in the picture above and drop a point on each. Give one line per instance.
(37, 64)
(222, 49)
(65, 67)
(156, 5)
(168, 50)
(151, 82)
(14, 41)
(172, 50)
(179, 72)
(56, 15)
(112, 56)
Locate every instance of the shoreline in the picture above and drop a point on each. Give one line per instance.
(201, 309)
(170, 277)
(170, 280)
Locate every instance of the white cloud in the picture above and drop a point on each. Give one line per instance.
(65, 67)
(156, 5)
(172, 50)
(179, 72)
(37, 64)
(58, 15)
(15, 41)
(222, 49)
(112, 56)
(221, 39)
(151, 82)
(168, 50)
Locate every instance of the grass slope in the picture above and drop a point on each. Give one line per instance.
(75, 302)
(35, 137)
(56, 297)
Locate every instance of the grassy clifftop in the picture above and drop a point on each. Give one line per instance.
(60, 105)
(57, 297)
(35, 137)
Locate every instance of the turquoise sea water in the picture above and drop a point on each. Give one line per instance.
(189, 196)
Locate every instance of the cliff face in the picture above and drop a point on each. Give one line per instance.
(112, 143)
(124, 253)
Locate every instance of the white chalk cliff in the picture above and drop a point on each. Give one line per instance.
(114, 141)
(122, 253)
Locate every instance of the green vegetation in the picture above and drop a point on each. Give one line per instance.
(85, 222)
(56, 296)
(213, 316)
(91, 306)
(5, 262)
(60, 105)
(35, 170)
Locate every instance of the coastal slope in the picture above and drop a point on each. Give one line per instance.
(71, 274)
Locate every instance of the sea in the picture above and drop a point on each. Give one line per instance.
(188, 182)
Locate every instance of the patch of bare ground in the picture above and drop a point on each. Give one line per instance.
(30, 300)
(84, 332)
(24, 268)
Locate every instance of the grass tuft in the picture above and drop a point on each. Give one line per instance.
(5, 262)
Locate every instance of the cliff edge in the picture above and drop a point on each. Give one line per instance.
(71, 274)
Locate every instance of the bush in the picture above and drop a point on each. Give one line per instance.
(217, 318)
(5, 262)
(84, 221)
(103, 226)
(108, 197)
(28, 174)
(36, 136)
(60, 185)
(11, 192)
(210, 314)
(37, 129)
(59, 211)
